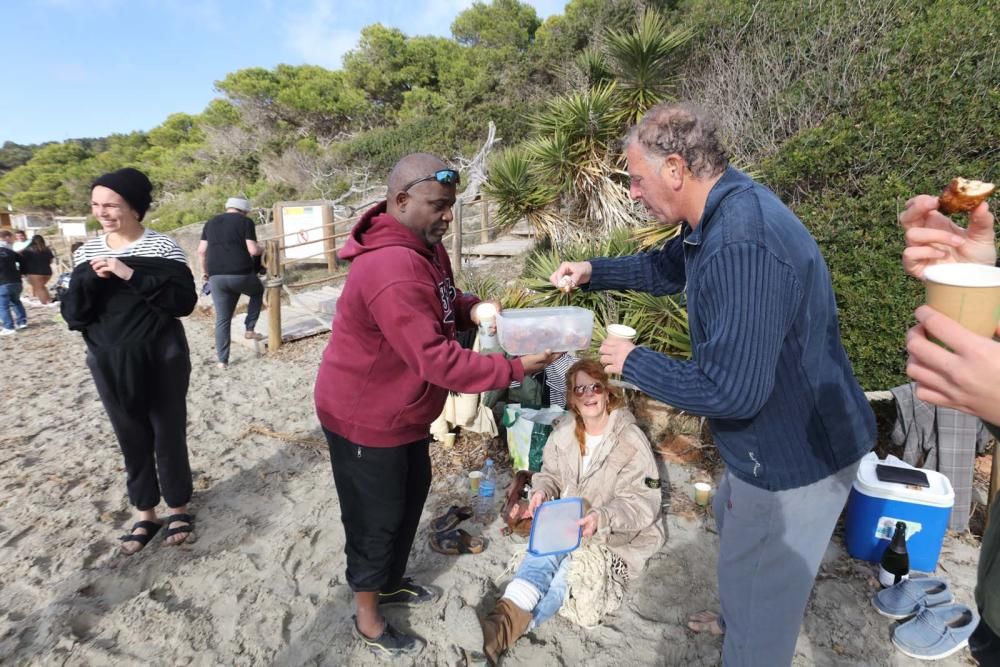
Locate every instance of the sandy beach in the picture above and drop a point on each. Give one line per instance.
(262, 582)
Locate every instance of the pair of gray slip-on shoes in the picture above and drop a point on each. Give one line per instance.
(938, 628)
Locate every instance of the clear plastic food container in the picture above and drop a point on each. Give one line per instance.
(534, 330)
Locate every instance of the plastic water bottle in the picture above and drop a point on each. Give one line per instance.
(487, 489)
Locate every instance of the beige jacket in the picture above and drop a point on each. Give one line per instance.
(621, 485)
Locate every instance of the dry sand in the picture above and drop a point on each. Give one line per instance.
(263, 581)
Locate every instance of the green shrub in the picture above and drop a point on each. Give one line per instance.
(937, 117)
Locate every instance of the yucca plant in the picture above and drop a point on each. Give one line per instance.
(642, 64)
(520, 192)
(593, 64)
(660, 322)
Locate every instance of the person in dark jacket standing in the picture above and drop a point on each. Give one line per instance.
(768, 370)
(384, 377)
(963, 373)
(10, 287)
(36, 265)
(126, 292)
(227, 250)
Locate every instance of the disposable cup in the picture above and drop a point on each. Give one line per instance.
(474, 478)
(702, 491)
(967, 293)
(621, 331)
(449, 440)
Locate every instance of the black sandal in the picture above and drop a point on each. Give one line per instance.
(450, 519)
(183, 518)
(151, 528)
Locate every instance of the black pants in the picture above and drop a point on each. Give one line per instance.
(382, 492)
(154, 443)
(985, 645)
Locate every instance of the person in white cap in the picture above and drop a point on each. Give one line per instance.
(227, 250)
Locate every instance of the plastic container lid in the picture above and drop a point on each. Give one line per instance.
(554, 528)
(938, 494)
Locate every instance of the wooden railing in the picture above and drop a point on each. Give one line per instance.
(276, 263)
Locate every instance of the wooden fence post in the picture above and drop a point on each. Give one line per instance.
(456, 241)
(272, 259)
(329, 243)
(484, 220)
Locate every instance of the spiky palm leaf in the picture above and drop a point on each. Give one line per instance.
(660, 322)
(654, 236)
(594, 65)
(641, 61)
(589, 119)
(520, 192)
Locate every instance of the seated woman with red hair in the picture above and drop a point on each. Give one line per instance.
(602, 457)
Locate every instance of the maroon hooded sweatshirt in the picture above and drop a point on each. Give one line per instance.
(392, 356)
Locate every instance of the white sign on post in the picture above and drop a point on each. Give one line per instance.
(302, 224)
(73, 230)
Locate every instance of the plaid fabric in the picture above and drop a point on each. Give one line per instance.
(941, 439)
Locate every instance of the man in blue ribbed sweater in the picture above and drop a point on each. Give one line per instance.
(768, 370)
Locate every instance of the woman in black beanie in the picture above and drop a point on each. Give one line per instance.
(127, 290)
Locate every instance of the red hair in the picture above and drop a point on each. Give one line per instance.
(594, 369)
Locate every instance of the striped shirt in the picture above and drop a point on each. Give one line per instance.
(150, 244)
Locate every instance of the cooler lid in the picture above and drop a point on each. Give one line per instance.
(938, 494)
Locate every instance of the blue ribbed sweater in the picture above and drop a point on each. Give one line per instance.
(768, 368)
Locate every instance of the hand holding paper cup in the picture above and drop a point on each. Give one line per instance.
(614, 352)
(621, 331)
(967, 293)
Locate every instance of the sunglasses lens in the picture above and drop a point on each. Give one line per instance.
(446, 177)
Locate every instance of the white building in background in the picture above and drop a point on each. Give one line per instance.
(31, 223)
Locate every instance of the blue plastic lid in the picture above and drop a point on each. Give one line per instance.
(554, 528)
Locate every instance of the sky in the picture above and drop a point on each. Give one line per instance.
(90, 68)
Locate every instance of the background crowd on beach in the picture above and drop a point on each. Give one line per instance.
(768, 371)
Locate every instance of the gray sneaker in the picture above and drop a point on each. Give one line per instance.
(391, 642)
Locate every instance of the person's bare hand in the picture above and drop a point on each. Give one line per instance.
(589, 524)
(535, 362)
(963, 377)
(613, 353)
(578, 273)
(932, 238)
(105, 267)
(537, 498)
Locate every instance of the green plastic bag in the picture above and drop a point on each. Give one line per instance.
(527, 432)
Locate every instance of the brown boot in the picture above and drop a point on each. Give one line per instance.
(502, 627)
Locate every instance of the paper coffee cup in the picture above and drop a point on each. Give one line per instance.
(474, 477)
(449, 440)
(702, 491)
(967, 293)
(621, 331)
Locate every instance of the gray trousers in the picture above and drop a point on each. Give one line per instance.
(226, 291)
(771, 544)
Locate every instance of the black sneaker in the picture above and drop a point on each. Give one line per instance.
(408, 594)
(391, 642)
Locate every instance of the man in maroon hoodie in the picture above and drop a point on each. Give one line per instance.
(385, 374)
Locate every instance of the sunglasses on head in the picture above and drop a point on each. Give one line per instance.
(442, 176)
(581, 389)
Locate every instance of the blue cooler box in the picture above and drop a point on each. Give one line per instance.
(874, 507)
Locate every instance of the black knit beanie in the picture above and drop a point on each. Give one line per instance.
(133, 186)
